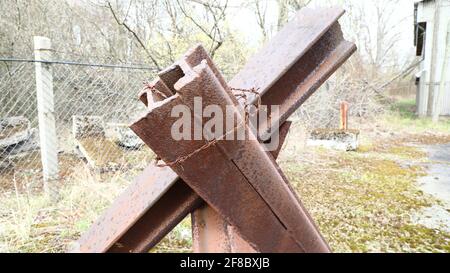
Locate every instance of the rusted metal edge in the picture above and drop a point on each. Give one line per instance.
(127, 209)
(212, 234)
(312, 71)
(161, 218)
(136, 230)
(251, 162)
(165, 214)
(282, 135)
(209, 231)
(286, 48)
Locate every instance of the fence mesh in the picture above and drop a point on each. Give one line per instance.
(101, 100)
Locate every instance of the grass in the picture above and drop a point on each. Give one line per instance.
(31, 222)
(402, 117)
(362, 201)
(178, 240)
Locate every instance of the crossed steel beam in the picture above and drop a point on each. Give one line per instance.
(249, 203)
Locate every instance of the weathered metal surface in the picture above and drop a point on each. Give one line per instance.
(221, 184)
(127, 209)
(282, 135)
(292, 43)
(344, 116)
(169, 209)
(237, 243)
(212, 234)
(264, 176)
(209, 231)
(159, 220)
(292, 90)
(307, 75)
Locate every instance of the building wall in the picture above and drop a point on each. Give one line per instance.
(426, 13)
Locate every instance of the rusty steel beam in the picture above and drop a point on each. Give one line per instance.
(229, 184)
(289, 82)
(327, 54)
(173, 206)
(240, 170)
(127, 209)
(282, 135)
(209, 231)
(161, 218)
(307, 75)
(212, 234)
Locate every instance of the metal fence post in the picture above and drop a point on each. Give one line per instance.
(45, 103)
(344, 116)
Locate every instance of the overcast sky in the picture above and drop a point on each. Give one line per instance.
(244, 22)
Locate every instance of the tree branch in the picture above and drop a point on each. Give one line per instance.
(135, 35)
(216, 43)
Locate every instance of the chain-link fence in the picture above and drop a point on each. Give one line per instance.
(93, 103)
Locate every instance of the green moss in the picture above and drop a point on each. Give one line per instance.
(364, 203)
(101, 151)
(407, 152)
(365, 148)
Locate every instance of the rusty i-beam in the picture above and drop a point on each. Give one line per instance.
(249, 204)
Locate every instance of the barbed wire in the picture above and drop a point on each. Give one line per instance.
(244, 122)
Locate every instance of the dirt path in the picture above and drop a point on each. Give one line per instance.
(437, 183)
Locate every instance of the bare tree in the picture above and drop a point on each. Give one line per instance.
(214, 12)
(139, 40)
(285, 7)
(374, 27)
(260, 11)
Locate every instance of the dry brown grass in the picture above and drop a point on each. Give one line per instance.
(32, 222)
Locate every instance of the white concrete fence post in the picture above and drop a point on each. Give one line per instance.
(46, 112)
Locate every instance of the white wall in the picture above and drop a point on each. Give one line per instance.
(426, 13)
